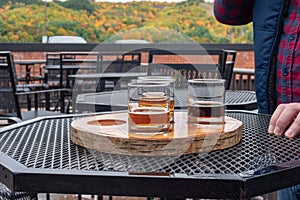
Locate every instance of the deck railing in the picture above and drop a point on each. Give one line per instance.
(242, 79)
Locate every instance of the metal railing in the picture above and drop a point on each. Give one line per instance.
(42, 47)
(242, 79)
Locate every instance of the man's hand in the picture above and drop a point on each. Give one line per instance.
(286, 120)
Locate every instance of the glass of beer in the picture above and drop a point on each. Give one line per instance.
(169, 80)
(148, 108)
(206, 106)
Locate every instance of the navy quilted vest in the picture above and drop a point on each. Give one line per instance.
(268, 16)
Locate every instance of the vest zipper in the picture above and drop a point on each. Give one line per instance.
(271, 81)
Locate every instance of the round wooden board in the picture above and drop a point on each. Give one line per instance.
(109, 133)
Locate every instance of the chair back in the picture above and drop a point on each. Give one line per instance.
(191, 64)
(118, 61)
(60, 65)
(52, 75)
(9, 105)
(227, 65)
(52, 59)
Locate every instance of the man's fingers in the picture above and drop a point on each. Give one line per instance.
(294, 129)
(286, 120)
(275, 117)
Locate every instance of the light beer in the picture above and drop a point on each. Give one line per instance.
(157, 99)
(148, 119)
(153, 99)
(148, 108)
(172, 104)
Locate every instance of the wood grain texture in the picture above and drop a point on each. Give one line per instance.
(109, 133)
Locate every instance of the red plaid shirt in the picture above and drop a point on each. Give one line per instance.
(288, 57)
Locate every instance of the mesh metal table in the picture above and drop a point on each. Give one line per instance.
(38, 156)
(117, 100)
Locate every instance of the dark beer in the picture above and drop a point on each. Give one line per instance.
(206, 117)
(206, 109)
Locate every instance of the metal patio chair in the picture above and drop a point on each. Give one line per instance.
(191, 64)
(10, 93)
(110, 62)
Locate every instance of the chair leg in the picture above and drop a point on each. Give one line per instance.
(99, 197)
(5, 193)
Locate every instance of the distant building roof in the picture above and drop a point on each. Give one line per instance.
(131, 41)
(66, 39)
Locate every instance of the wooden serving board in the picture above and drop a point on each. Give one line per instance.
(109, 133)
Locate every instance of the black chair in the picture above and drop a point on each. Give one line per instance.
(52, 75)
(10, 94)
(10, 113)
(110, 62)
(62, 64)
(191, 64)
(227, 65)
(24, 85)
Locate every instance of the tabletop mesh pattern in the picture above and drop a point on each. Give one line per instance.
(119, 98)
(35, 146)
(238, 97)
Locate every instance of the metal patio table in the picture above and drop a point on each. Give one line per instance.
(117, 100)
(38, 156)
(69, 69)
(115, 77)
(108, 76)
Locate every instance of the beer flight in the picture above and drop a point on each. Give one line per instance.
(151, 106)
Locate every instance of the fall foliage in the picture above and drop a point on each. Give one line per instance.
(23, 21)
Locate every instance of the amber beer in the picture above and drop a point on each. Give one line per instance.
(172, 104)
(168, 79)
(151, 112)
(148, 109)
(154, 99)
(148, 119)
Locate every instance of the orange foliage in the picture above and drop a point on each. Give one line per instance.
(151, 15)
(135, 12)
(15, 38)
(62, 31)
(117, 28)
(200, 22)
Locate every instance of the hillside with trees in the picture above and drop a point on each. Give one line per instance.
(24, 21)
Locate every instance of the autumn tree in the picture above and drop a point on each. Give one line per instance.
(78, 5)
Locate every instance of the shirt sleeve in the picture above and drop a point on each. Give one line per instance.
(233, 12)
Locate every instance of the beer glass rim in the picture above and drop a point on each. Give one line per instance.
(171, 81)
(155, 78)
(148, 84)
(207, 80)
